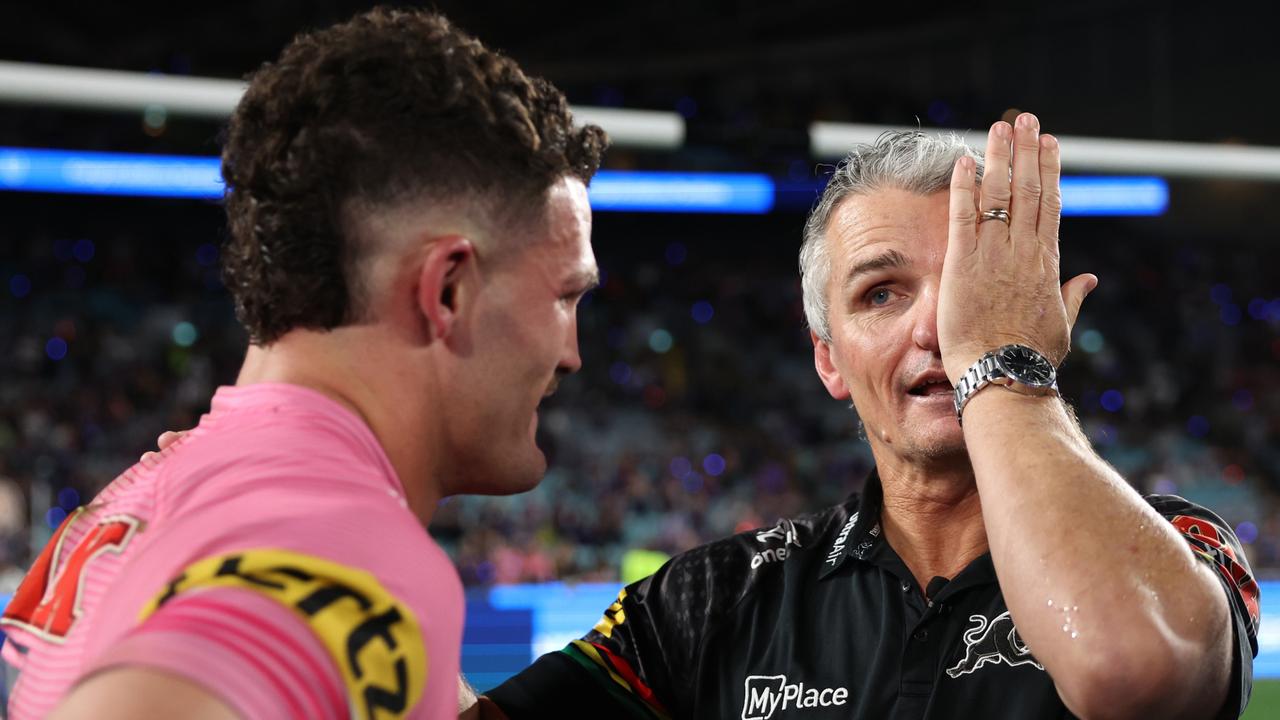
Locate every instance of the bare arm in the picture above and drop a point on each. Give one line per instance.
(1107, 594)
(1103, 589)
(127, 693)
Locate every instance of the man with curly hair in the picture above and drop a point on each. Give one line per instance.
(410, 236)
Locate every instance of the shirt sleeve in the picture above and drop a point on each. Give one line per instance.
(1214, 543)
(278, 633)
(640, 659)
(251, 652)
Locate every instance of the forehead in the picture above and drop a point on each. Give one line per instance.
(569, 212)
(887, 219)
(564, 239)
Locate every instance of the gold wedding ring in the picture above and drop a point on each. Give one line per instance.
(998, 214)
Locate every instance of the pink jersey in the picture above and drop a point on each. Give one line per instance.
(269, 556)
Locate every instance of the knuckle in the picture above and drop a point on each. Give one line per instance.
(1028, 187)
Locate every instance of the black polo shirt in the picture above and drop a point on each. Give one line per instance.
(818, 617)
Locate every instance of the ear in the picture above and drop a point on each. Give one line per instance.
(448, 260)
(827, 369)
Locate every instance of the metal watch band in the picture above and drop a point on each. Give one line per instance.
(991, 369)
(979, 375)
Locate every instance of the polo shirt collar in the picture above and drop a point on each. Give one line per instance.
(861, 532)
(861, 538)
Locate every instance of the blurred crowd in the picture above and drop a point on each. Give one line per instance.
(697, 413)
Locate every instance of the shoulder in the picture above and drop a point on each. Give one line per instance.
(719, 574)
(1215, 543)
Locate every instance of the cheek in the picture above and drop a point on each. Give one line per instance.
(870, 360)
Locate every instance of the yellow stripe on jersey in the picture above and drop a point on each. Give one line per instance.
(587, 649)
(373, 638)
(613, 616)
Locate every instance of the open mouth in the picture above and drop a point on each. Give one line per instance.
(931, 387)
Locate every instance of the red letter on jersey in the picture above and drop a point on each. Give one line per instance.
(48, 600)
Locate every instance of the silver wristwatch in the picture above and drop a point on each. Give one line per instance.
(1015, 367)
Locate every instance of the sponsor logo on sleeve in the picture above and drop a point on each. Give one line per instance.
(767, 694)
(991, 642)
(784, 532)
(374, 639)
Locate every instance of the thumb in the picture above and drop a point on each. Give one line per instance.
(1074, 291)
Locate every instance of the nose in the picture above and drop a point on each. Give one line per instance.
(570, 359)
(924, 330)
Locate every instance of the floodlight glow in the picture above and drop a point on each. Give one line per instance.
(178, 176)
(1120, 195)
(100, 173)
(671, 192)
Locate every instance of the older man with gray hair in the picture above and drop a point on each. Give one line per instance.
(993, 566)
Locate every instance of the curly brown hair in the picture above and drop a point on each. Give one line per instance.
(391, 105)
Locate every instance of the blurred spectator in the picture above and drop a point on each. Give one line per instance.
(698, 412)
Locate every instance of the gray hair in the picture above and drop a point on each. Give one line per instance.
(907, 160)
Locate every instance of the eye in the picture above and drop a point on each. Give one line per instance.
(879, 296)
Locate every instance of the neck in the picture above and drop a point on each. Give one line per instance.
(932, 517)
(351, 371)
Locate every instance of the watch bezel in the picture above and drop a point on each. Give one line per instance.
(1014, 372)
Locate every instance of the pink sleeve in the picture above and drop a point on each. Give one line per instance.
(253, 653)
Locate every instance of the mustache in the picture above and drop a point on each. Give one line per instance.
(906, 376)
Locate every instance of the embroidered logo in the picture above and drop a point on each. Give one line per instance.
(992, 642)
(784, 531)
(838, 546)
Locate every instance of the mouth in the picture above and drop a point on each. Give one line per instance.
(931, 385)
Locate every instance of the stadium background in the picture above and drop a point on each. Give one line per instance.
(697, 413)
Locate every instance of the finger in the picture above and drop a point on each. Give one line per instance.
(1025, 208)
(168, 438)
(995, 175)
(962, 233)
(1074, 291)
(149, 457)
(1050, 192)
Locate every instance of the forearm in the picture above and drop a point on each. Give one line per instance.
(1103, 589)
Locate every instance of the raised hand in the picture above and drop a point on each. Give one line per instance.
(1000, 276)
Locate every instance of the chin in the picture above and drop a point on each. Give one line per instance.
(511, 478)
(940, 446)
(932, 439)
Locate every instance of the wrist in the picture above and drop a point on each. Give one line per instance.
(1003, 403)
(1017, 368)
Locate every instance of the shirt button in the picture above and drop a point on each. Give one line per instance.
(921, 635)
(906, 587)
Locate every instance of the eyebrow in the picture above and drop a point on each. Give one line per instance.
(885, 260)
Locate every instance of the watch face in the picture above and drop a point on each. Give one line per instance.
(1026, 365)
